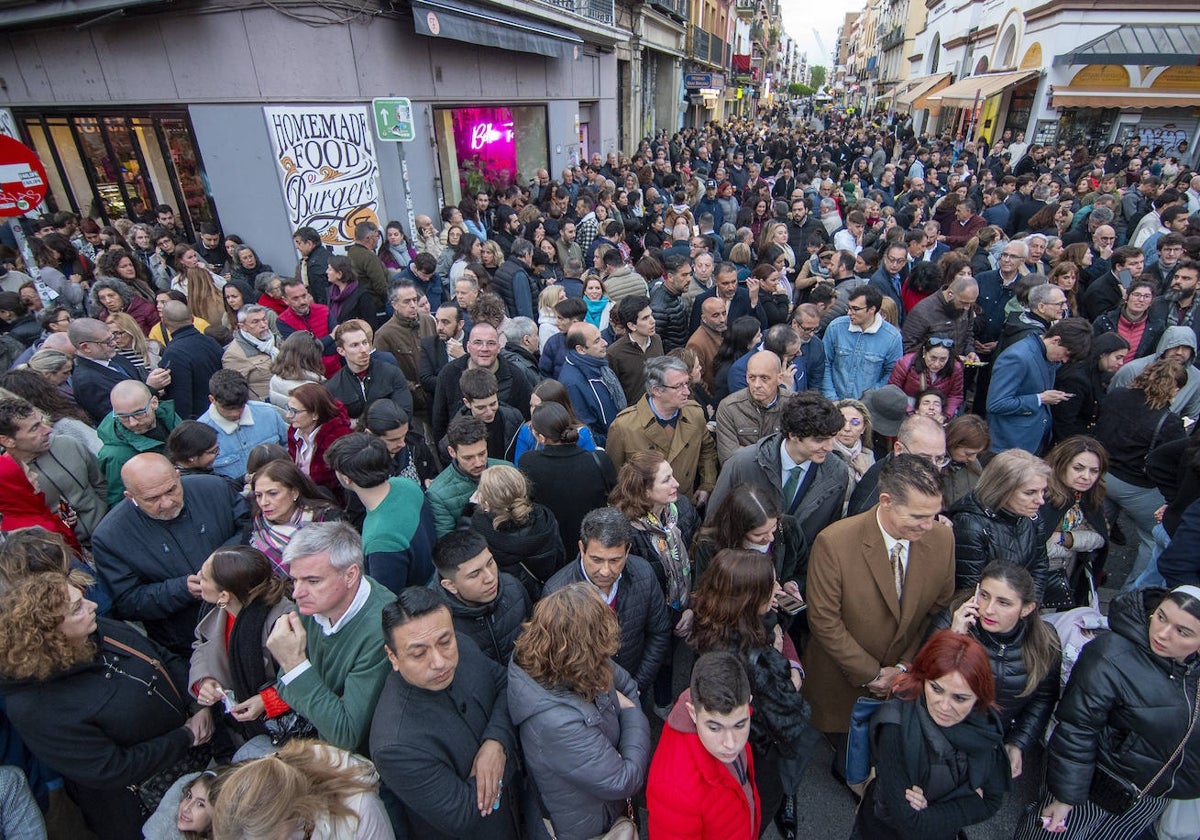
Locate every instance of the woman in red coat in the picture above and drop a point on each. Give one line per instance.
(315, 420)
(931, 366)
(701, 784)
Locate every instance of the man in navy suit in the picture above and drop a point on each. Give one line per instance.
(1022, 388)
(98, 367)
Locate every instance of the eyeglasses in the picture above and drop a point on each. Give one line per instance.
(292, 412)
(938, 461)
(1141, 295)
(141, 412)
(481, 343)
(1012, 256)
(681, 387)
(111, 341)
(937, 341)
(853, 308)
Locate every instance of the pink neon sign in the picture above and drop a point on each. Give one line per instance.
(485, 141)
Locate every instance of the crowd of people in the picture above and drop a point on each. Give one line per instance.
(600, 502)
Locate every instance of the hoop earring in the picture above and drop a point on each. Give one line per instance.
(222, 603)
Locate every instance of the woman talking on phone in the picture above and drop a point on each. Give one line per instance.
(1001, 613)
(1127, 741)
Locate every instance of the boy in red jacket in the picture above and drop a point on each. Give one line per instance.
(701, 784)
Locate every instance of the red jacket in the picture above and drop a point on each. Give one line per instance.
(329, 431)
(24, 507)
(690, 794)
(950, 382)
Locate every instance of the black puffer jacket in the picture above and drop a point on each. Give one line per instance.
(531, 552)
(982, 535)
(495, 626)
(641, 613)
(1128, 708)
(1024, 718)
(671, 317)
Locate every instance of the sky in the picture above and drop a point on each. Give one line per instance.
(800, 17)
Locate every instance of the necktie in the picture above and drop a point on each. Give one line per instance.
(897, 568)
(793, 484)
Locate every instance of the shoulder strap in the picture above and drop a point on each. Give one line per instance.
(1162, 418)
(158, 666)
(1182, 743)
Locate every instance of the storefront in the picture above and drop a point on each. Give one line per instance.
(1102, 102)
(489, 147)
(99, 162)
(984, 105)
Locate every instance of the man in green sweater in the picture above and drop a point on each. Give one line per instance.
(332, 664)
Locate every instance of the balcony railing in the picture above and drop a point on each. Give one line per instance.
(677, 9)
(597, 10)
(746, 8)
(707, 47)
(894, 38)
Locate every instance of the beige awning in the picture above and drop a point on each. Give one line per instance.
(962, 94)
(1123, 98)
(913, 96)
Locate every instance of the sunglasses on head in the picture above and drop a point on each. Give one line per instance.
(948, 343)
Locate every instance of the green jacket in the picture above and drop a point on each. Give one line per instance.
(449, 493)
(120, 444)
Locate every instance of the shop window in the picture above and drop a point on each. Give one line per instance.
(1088, 126)
(489, 148)
(98, 164)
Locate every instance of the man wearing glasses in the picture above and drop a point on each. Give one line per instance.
(861, 348)
(483, 351)
(98, 367)
(1108, 291)
(138, 423)
(666, 419)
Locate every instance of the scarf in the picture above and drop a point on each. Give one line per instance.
(595, 308)
(266, 346)
(595, 368)
(272, 538)
(668, 542)
(851, 454)
(245, 650)
(407, 323)
(977, 740)
(338, 297)
(400, 255)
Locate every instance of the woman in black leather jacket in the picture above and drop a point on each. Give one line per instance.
(1024, 651)
(1130, 703)
(521, 534)
(998, 520)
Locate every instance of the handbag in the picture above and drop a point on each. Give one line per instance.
(1117, 794)
(1059, 594)
(625, 828)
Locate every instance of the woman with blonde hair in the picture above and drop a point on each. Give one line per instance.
(585, 740)
(307, 789)
(854, 442)
(54, 366)
(132, 343)
(998, 520)
(547, 317)
(204, 298)
(522, 534)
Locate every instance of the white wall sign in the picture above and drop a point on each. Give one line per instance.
(326, 163)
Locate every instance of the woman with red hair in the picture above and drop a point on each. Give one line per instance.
(937, 746)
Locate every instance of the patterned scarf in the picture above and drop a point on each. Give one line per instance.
(272, 538)
(668, 542)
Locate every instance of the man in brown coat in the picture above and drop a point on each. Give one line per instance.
(666, 420)
(401, 336)
(874, 582)
(708, 337)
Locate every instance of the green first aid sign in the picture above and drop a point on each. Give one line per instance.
(393, 120)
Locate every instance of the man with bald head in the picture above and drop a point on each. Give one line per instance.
(948, 313)
(918, 435)
(748, 415)
(706, 340)
(98, 367)
(138, 422)
(192, 357)
(149, 548)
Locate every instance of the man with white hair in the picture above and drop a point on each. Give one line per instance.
(332, 664)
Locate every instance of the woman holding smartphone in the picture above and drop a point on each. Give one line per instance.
(1002, 615)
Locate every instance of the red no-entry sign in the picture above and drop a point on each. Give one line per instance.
(23, 182)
